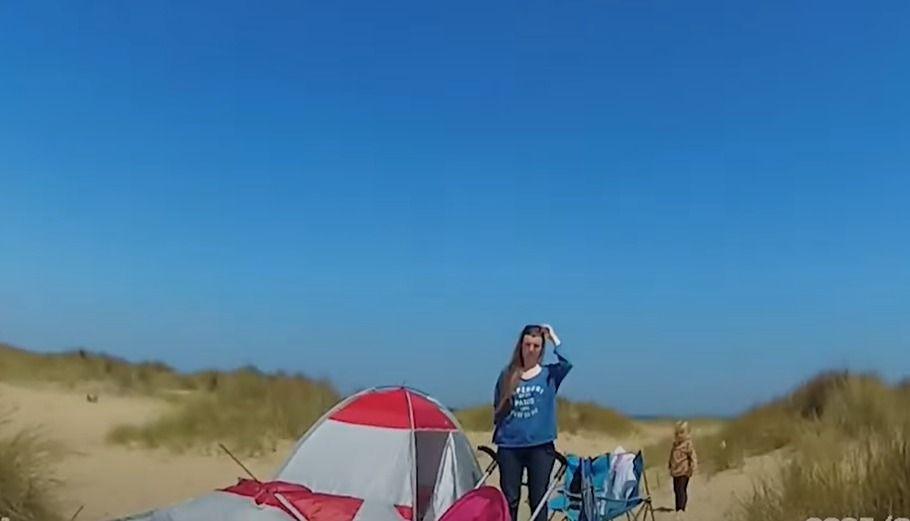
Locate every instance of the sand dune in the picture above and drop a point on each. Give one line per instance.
(109, 481)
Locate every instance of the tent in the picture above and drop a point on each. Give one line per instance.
(383, 454)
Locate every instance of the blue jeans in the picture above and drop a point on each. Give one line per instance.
(538, 460)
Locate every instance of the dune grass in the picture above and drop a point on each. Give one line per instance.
(760, 431)
(850, 458)
(572, 417)
(849, 405)
(79, 367)
(478, 418)
(247, 410)
(26, 480)
(865, 478)
(843, 405)
(845, 439)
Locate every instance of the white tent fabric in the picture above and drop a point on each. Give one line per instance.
(452, 485)
(354, 460)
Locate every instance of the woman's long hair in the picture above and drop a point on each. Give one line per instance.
(511, 376)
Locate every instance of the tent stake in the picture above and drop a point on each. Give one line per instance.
(77, 512)
(239, 463)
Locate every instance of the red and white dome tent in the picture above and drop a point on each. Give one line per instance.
(383, 454)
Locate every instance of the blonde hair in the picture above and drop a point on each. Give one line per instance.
(681, 429)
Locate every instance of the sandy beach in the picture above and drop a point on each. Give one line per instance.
(107, 480)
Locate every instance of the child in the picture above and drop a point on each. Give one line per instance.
(682, 464)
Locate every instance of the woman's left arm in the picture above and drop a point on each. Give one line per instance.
(560, 368)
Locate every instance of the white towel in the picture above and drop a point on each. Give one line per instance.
(622, 474)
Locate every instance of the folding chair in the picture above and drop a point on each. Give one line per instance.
(591, 492)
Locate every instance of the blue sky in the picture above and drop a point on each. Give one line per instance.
(707, 199)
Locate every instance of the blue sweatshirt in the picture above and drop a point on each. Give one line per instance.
(532, 420)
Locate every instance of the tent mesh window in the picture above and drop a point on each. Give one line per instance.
(430, 446)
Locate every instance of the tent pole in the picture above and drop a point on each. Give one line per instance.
(413, 465)
(291, 508)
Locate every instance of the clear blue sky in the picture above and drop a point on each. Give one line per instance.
(709, 200)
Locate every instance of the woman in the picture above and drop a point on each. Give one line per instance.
(683, 462)
(524, 405)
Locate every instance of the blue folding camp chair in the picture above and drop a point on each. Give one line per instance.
(590, 492)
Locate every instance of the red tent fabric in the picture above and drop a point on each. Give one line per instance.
(393, 409)
(481, 504)
(316, 507)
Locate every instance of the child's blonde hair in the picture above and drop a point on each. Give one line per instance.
(681, 429)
